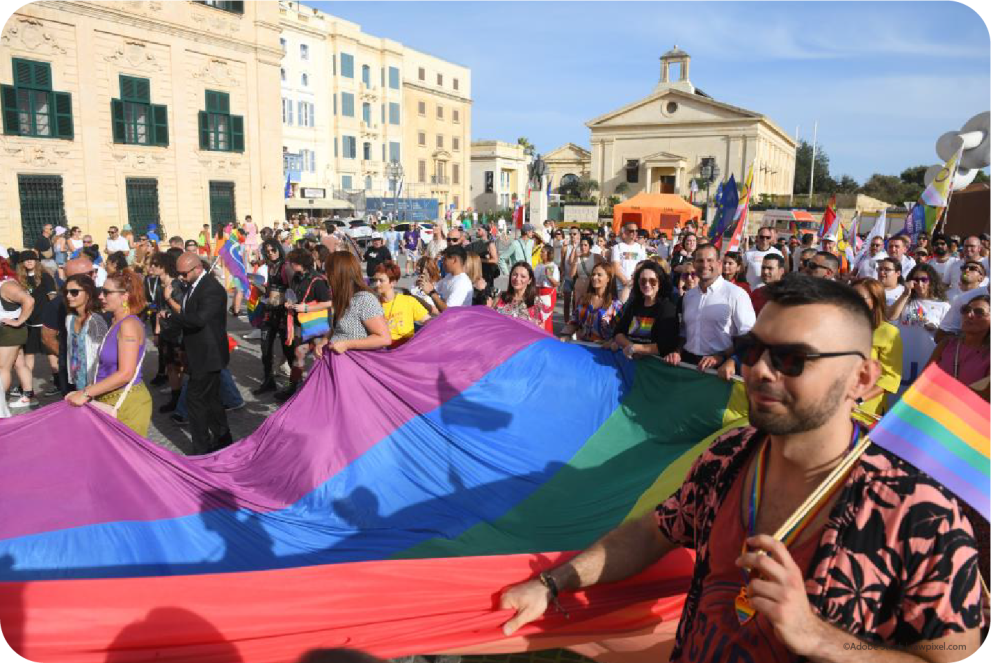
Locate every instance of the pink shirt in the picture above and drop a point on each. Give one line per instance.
(971, 365)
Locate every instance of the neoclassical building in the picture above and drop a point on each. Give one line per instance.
(567, 162)
(139, 113)
(657, 144)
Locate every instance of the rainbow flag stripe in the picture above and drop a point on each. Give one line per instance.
(382, 507)
(941, 427)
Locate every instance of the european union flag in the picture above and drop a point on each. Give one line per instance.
(727, 200)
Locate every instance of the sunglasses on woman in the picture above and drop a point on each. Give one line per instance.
(976, 311)
(73, 292)
(786, 358)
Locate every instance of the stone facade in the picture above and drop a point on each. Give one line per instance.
(657, 144)
(182, 50)
(566, 162)
(437, 119)
(498, 175)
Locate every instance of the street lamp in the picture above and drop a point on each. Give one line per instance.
(710, 172)
(395, 172)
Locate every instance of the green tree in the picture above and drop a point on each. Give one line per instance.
(847, 185)
(622, 189)
(823, 183)
(888, 188)
(525, 142)
(982, 177)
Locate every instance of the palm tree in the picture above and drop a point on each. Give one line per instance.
(525, 142)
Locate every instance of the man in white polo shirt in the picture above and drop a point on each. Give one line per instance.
(897, 248)
(626, 255)
(754, 258)
(715, 312)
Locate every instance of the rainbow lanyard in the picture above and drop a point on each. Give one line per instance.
(744, 609)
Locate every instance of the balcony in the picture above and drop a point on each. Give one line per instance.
(440, 179)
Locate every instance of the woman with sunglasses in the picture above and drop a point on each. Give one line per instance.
(886, 347)
(118, 376)
(923, 302)
(687, 279)
(85, 330)
(649, 324)
(967, 357)
(273, 326)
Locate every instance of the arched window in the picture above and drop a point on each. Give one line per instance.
(568, 182)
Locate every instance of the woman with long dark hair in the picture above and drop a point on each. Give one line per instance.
(358, 319)
(649, 323)
(598, 308)
(519, 300)
(923, 302)
(41, 286)
(16, 306)
(273, 326)
(85, 329)
(118, 376)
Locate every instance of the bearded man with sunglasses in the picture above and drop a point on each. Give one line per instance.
(883, 571)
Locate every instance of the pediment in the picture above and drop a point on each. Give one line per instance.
(672, 107)
(662, 157)
(568, 152)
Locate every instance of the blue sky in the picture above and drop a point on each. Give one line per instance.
(883, 79)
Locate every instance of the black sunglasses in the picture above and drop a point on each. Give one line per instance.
(73, 292)
(789, 360)
(183, 273)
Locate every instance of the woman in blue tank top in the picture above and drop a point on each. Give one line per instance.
(118, 378)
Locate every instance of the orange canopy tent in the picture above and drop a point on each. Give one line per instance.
(663, 211)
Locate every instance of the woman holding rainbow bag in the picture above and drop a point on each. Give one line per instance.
(308, 319)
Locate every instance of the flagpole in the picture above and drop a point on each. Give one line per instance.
(812, 169)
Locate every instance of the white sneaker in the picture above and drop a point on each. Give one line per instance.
(22, 401)
(252, 335)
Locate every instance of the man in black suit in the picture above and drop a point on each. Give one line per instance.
(201, 312)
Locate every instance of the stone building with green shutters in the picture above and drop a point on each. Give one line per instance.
(138, 113)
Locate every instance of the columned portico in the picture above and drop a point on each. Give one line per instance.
(665, 173)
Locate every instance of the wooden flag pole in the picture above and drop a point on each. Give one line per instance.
(838, 474)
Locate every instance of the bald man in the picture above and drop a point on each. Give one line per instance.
(201, 313)
(53, 332)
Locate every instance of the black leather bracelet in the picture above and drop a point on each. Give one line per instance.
(547, 580)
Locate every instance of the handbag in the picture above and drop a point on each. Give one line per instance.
(105, 407)
(312, 323)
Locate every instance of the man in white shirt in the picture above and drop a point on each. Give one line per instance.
(715, 311)
(754, 258)
(942, 260)
(115, 242)
(456, 288)
(972, 276)
(897, 247)
(970, 250)
(626, 255)
(866, 268)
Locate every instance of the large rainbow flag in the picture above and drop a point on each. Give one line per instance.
(384, 507)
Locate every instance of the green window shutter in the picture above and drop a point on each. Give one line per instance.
(237, 133)
(127, 88)
(211, 102)
(42, 75)
(23, 72)
(63, 114)
(237, 6)
(204, 130)
(160, 125)
(11, 118)
(223, 102)
(117, 120)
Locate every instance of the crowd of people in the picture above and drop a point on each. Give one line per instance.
(772, 312)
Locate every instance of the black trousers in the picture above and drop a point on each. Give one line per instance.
(207, 418)
(272, 331)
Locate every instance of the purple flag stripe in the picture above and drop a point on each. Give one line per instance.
(342, 401)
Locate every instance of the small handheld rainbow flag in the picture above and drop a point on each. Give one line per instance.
(941, 427)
